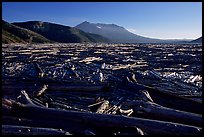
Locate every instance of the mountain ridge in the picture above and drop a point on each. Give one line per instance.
(122, 35)
(198, 40)
(60, 33)
(83, 32)
(114, 32)
(14, 34)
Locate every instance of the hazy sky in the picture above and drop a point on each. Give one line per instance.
(166, 20)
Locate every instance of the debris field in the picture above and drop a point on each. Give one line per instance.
(101, 89)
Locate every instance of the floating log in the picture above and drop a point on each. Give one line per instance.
(166, 99)
(104, 120)
(152, 110)
(164, 108)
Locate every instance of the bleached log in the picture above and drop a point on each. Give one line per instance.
(97, 103)
(64, 106)
(37, 103)
(113, 110)
(146, 95)
(126, 112)
(152, 110)
(103, 107)
(167, 99)
(26, 99)
(38, 100)
(104, 120)
(41, 91)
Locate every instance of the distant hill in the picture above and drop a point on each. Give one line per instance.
(60, 33)
(15, 34)
(198, 40)
(115, 33)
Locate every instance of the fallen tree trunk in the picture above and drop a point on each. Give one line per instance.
(167, 99)
(76, 88)
(73, 128)
(23, 130)
(152, 110)
(63, 106)
(104, 120)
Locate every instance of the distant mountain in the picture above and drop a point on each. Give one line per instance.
(178, 41)
(119, 34)
(60, 33)
(41, 32)
(15, 34)
(198, 40)
(115, 33)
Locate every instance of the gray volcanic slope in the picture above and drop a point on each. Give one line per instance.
(115, 33)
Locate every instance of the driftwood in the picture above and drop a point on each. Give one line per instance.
(77, 88)
(25, 98)
(128, 112)
(74, 93)
(16, 130)
(64, 106)
(97, 103)
(41, 91)
(73, 128)
(152, 110)
(37, 103)
(159, 105)
(148, 126)
(145, 95)
(166, 99)
(73, 100)
(41, 73)
(103, 107)
(112, 110)
(70, 96)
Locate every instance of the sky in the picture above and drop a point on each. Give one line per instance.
(164, 20)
